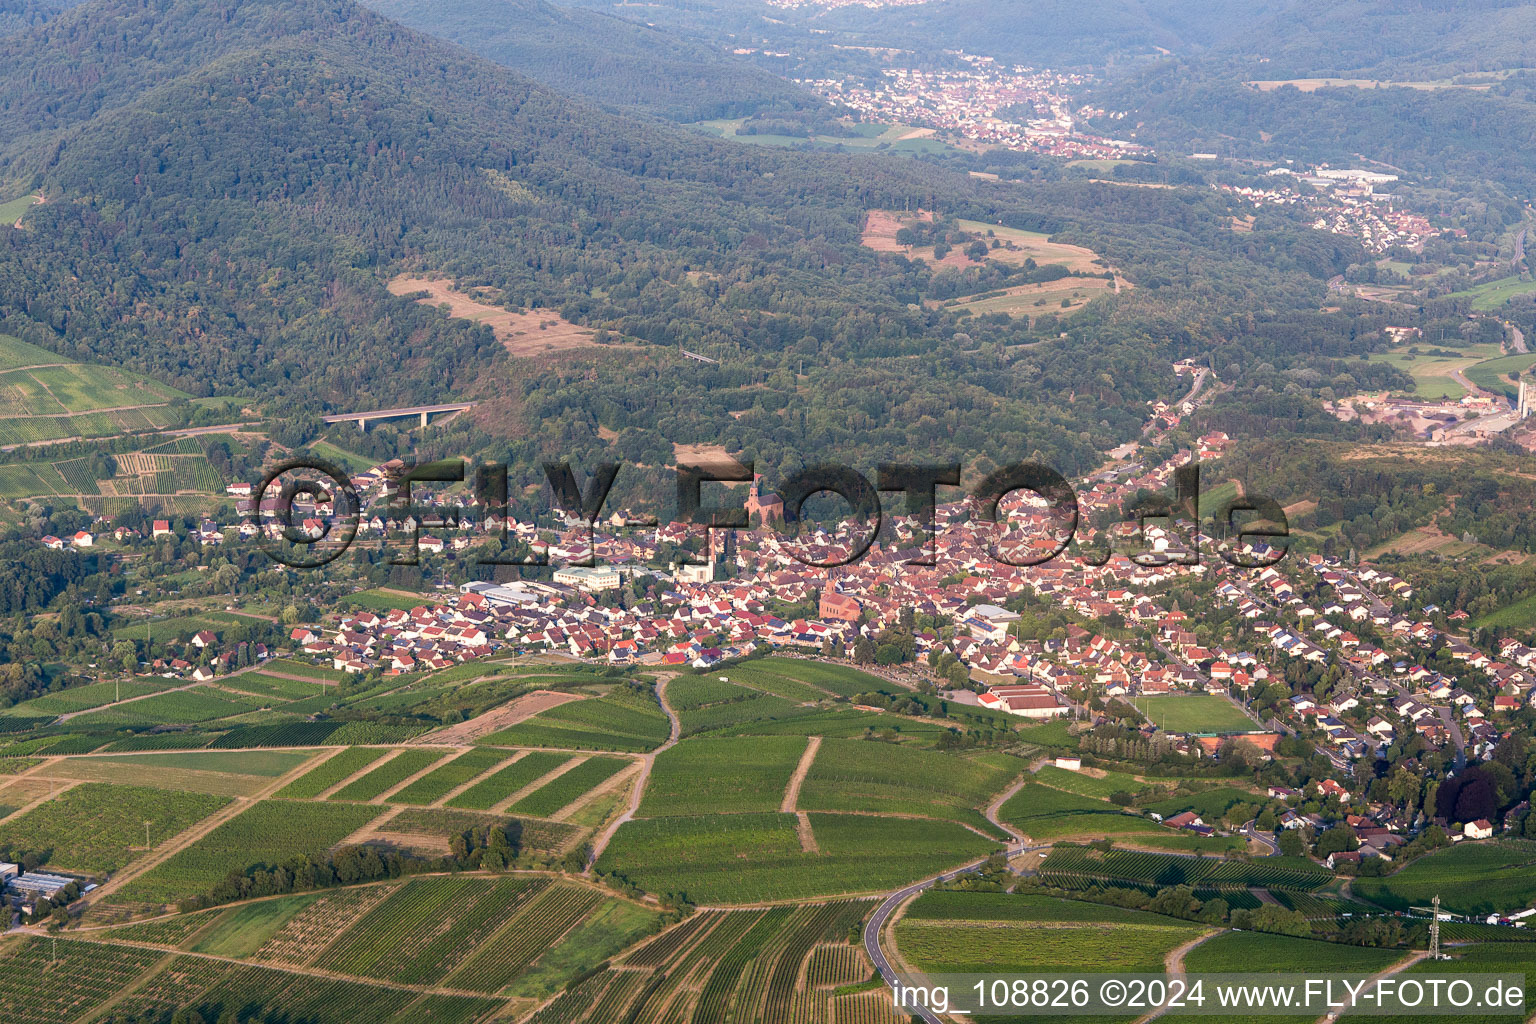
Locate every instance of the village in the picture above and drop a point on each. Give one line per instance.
(1018, 108)
(1403, 671)
(1342, 201)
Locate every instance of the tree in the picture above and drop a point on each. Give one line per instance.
(126, 655)
(1292, 844)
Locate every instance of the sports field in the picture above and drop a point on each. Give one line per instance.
(1195, 713)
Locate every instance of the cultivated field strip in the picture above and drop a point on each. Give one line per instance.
(501, 786)
(312, 930)
(420, 933)
(560, 792)
(331, 773)
(541, 922)
(438, 783)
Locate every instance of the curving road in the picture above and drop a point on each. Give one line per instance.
(877, 921)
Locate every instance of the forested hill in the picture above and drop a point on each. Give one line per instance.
(603, 58)
(16, 15)
(1396, 40)
(230, 187)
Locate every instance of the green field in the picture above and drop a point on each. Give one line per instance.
(439, 782)
(389, 942)
(1045, 814)
(816, 678)
(500, 785)
(1078, 867)
(12, 210)
(565, 789)
(622, 720)
(1492, 374)
(860, 775)
(388, 601)
(321, 778)
(718, 775)
(1470, 878)
(242, 773)
(1520, 615)
(1432, 374)
(1491, 295)
(1048, 935)
(1195, 713)
(1100, 786)
(269, 832)
(242, 930)
(96, 827)
(388, 775)
(743, 858)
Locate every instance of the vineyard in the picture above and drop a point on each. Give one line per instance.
(622, 721)
(1120, 940)
(501, 785)
(269, 832)
(330, 772)
(859, 775)
(98, 828)
(527, 935)
(529, 833)
(388, 775)
(563, 790)
(439, 782)
(1472, 878)
(37, 989)
(745, 858)
(708, 774)
(427, 927)
(755, 707)
(1076, 867)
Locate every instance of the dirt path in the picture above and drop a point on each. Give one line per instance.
(1173, 965)
(792, 791)
(496, 719)
(602, 839)
(1400, 966)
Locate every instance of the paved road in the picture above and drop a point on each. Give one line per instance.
(877, 921)
(1260, 837)
(1516, 339)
